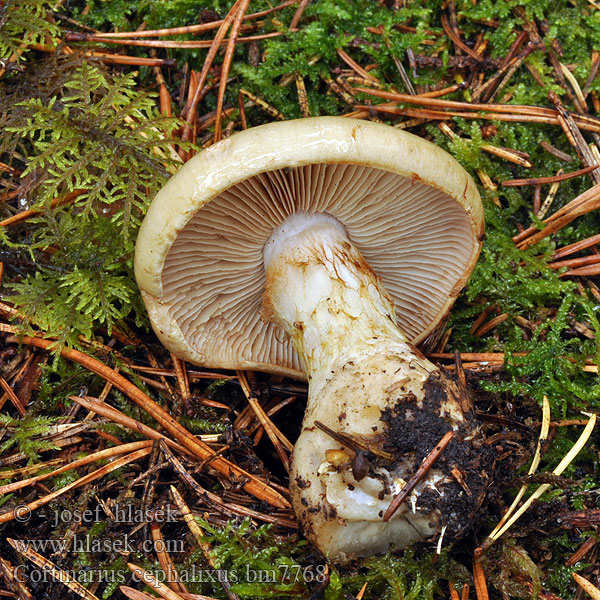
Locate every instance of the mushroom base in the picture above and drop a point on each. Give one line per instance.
(340, 498)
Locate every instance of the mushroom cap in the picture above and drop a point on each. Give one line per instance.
(411, 209)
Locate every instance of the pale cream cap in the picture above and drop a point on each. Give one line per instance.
(410, 208)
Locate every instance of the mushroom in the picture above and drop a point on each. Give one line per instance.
(327, 248)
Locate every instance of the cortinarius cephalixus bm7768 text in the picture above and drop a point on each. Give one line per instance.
(327, 248)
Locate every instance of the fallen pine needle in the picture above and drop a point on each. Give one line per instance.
(253, 485)
(148, 579)
(589, 588)
(46, 565)
(105, 470)
(481, 590)
(102, 454)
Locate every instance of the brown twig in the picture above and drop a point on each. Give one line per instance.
(183, 30)
(189, 111)
(537, 199)
(108, 453)
(550, 179)
(117, 416)
(12, 396)
(172, 578)
(580, 553)
(114, 59)
(427, 463)
(593, 73)
(277, 438)
(588, 271)
(235, 28)
(53, 570)
(453, 35)
(26, 214)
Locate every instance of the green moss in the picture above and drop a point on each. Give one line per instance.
(71, 124)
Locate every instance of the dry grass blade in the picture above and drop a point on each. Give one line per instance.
(571, 130)
(182, 378)
(545, 207)
(532, 469)
(253, 485)
(10, 473)
(298, 14)
(362, 591)
(27, 214)
(576, 247)
(231, 510)
(555, 151)
(576, 262)
(105, 470)
(432, 114)
(270, 110)
(508, 154)
(137, 595)
(9, 573)
(475, 356)
(454, 37)
(100, 455)
(514, 112)
(49, 567)
(180, 44)
(356, 67)
(134, 594)
(188, 28)
(587, 546)
(588, 271)
(491, 324)
(112, 59)
(575, 85)
(194, 528)
(189, 112)
(302, 97)
(564, 463)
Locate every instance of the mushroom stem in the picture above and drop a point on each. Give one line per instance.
(368, 382)
(322, 292)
